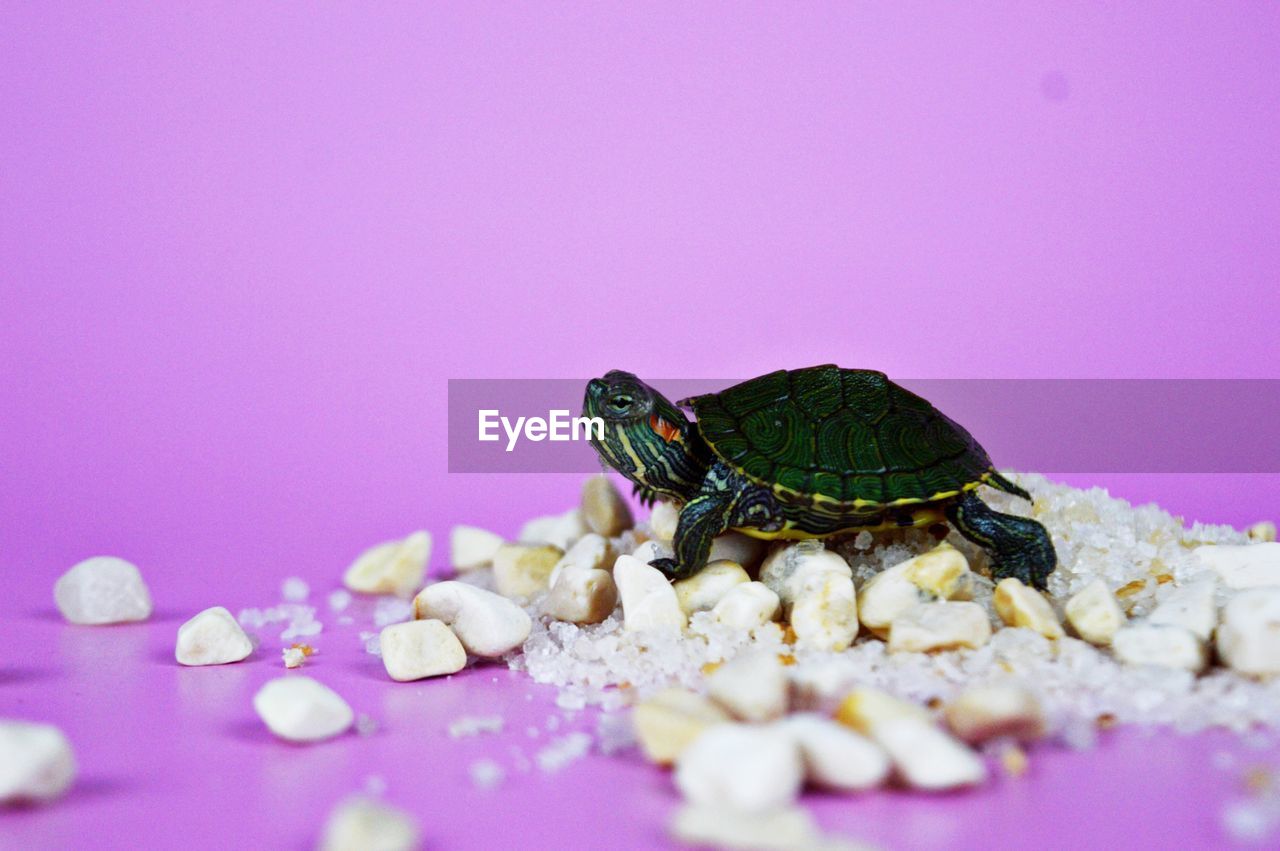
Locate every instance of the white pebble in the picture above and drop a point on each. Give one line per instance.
(582, 596)
(1263, 532)
(735, 546)
(1192, 607)
(863, 708)
(988, 712)
(824, 614)
(1162, 645)
(36, 762)
(925, 757)
(102, 590)
(789, 567)
(942, 573)
(589, 551)
(648, 600)
(708, 586)
(885, 596)
(293, 657)
(668, 722)
(663, 521)
(486, 623)
(939, 626)
(784, 829)
(650, 550)
(471, 547)
(557, 530)
(747, 606)
(393, 567)
(212, 638)
(834, 756)
(752, 686)
(1020, 605)
(419, 649)
(1094, 613)
(1244, 565)
(523, 570)
(745, 767)
(1249, 637)
(366, 824)
(603, 508)
(299, 709)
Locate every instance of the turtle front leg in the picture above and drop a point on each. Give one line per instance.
(1018, 547)
(708, 514)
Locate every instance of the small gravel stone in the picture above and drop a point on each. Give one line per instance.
(988, 712)
(1243, 565)
(942, 573)
(523, 570)
(1262, 532)
(939, 626)
(1094, 613)
(366, 824)
(834, 756)
(789, 567)
(648, 600)
(1021, 606)
(420, 649)
(751, 768)
(582, 596)
(708, 586)
(589, 551)
(1249, 637)
(300, 709)
(393, 567)
(486, 623)
(735, 546)
(557, 530)
(603, 508)
(747, 606)
(783, 829)
(752, 686)
(824, 614)
(1193, 607)
(668, 722)
(663, 521)
(212, 637)
(471, 547)
(293, 657)
(102, 590)
(1160, 644)
(36, 762)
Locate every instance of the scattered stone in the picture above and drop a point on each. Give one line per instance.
(942, 573)
(486, 623)
(788, 568)
(1193, 607)
(392, 567)
(783, 829)
(747, 606)
(293, 656)
(419, 649)
(987, 712)
(589, 551)
(102, 590)
(300, 709)
(1249, 637)
(735, 546)
(648, 600)
(751, 768)
(1263, 532)
(663, 521)
(834, 756)
(582, 596)
(752, 686)
(1094, 613)
(471, 547)
(557, 530)
(668, 722)
(647, 551)
(603, 508)
(523, 570)
(1022, 606)
(1243, 565)
(366, 824)
(885, 596)
(1160, 644)
(939, 626)
(824, 614)
(36, 762)
(707, 587)
(212, 637)
(863, 708)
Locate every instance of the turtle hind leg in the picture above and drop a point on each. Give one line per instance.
(1019, 547)
(1000, 483)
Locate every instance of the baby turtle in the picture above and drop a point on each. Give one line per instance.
(809, 453)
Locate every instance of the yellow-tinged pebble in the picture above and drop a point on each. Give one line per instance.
(1094, 613)
(366, 824)
(748, 767)
(752, 686)
(708, 586)
(471, 547)
(1262, 532)
(942, 572)
(522, 570)
(747, 606)
(603, 508)
(558, 530)
(648, 600)
(393, 567)
(666, 723)
(939, 626)
(591, 550)
(663, 521)
(582, 596)
(1249, 637)
(995, 711)
(486, 623)
(788, 568)
(824, 614)
(863, 708)
(1193, 607)
(1162, 645)
(418, 649)
(1021, 606)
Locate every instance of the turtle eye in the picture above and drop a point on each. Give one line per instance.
(620, 402)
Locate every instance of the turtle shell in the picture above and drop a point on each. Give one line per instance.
(840, 435)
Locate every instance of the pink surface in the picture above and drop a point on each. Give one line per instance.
(242, 249)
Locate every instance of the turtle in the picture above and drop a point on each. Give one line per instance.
(808, 453)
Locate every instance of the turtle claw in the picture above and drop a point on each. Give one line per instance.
(671, 569)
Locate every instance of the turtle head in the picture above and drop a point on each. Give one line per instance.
(645, 437)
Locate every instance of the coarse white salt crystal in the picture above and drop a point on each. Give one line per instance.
(371, 642)
(365, 824)
(212, 638)
(102, 590)
(1160, 644)
(603, 508)
(339, 600)
(614, 733)
(1249, 637)
(300, 709)
(1094, 613)
(1243, 566)
(486, 623)
(471, 547)
(420, 649)
(752, 768)
(36, 762)
(562, 751)
(294, 590)
(365, 725)
(302, 622)
(486, 774)
(474, 725)
(708, 586)
(392, 567)
(389, 610)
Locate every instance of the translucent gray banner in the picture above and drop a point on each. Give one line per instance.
(1047, 425)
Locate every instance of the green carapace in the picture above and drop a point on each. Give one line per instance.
(809, 453)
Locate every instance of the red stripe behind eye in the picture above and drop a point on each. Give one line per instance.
(664, 429)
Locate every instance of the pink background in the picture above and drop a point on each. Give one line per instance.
(243, 246)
